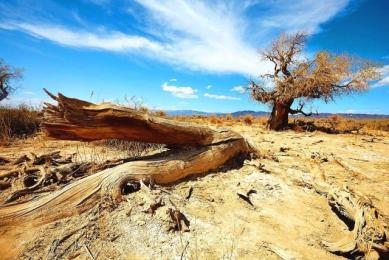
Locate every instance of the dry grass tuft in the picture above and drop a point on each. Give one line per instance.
(20, 122)
(160, 113)
(248, 119)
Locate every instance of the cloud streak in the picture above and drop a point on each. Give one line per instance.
(220, 97)
(385, 77)
(239, 89)
(180, 92)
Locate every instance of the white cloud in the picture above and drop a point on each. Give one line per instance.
(220, 97)
(304, 15)
(180, 92)
(239, 89)
(109, 41)
(385, 77)
(216, 36)
(173, 80)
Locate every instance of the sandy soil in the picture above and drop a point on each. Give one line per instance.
(285, 221)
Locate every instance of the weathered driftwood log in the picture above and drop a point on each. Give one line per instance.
(79, 120)
(74, 119)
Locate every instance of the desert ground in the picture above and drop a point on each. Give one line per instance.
(285, 218)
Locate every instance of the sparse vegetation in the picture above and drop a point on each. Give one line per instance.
(333, 124)
(20, 122)
(248, 119)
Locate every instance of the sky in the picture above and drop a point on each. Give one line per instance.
(182, 55)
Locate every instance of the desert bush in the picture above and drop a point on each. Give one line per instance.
(214, 119)
(262, 120)
(19, 122)
(143, 109)
(160, 113)
(229, 117)
(335, 120)
(248, 119)
(133, 149)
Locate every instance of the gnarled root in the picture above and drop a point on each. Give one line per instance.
(368, 233)
(82, 194)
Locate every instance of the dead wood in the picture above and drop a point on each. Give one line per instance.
(19, 193)
(177, 218)
(189, 193)
(3, 160)
(367, 228)
(10, 173)
(21, 159)
(4, 185)
(74, 119)
(79, 120)
(246, 197)
(154, 206)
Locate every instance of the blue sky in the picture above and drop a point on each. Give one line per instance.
(176, 54)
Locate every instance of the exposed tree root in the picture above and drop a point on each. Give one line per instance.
(19, 193)
(368, 233)
(82, 194)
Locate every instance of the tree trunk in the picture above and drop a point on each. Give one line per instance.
(279, 115)
(75, 119)
(79, 120)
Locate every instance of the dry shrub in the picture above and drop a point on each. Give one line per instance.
(143, 109)
(297, 128)
(133, 149)
(229, 117)
(160, 113)
(248, 119)
(262, 120)
(20, 122)
(335, 120)
(214, 119)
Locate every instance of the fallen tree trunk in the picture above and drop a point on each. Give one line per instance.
(79, 120)
(74, 119)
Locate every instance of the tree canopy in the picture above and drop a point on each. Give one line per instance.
(7, 75)
(325, 76)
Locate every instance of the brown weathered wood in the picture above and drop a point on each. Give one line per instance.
(80, 120)
(75, 119)
(369, 235)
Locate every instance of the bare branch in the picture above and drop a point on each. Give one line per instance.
(7, 74)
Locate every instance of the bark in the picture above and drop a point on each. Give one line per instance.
(279, 116)
(75, 119)
(80, 120)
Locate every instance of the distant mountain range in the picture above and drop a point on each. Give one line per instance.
(263, 113)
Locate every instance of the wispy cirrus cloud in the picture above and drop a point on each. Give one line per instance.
(109, 41)
(384, 81)
(304, 15)
(220, 97)
(180, 92)
(211, 36)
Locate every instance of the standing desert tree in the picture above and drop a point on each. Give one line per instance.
(295, 78)
(7, 75)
